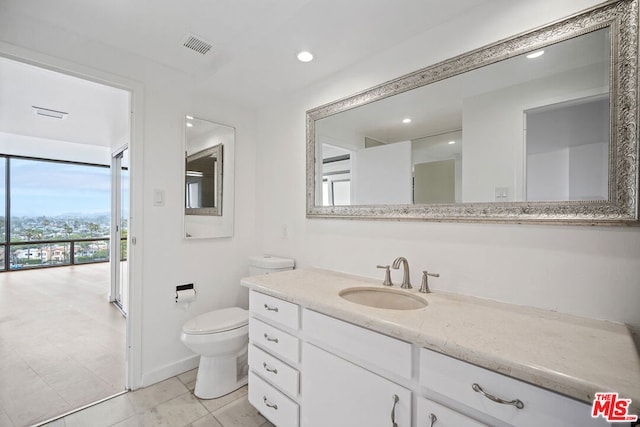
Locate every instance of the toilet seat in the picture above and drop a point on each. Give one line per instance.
(222, 320)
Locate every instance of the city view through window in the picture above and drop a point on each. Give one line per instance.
(58, 213)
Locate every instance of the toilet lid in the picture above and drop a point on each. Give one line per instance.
(217, 321)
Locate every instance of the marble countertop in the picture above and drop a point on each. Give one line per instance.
(571, 355)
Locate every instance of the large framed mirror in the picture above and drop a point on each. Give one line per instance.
(539, 128)
(208, 178)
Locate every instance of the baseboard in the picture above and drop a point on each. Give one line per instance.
(170, 370)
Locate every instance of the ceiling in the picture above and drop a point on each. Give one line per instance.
(96, 114)
(255, 42)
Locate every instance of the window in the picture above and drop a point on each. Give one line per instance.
(58, 212)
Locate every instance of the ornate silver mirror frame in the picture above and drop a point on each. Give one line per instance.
(622, 205)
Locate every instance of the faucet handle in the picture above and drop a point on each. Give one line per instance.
(424, 288)
(387, 275)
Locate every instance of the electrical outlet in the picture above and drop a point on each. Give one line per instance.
(501, 194)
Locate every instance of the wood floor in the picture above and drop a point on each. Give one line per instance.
(62, 344)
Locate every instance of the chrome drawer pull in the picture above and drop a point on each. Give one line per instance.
(393, 410)
(268, 338)
(268, 369)
(516, 402)
(269, 308)
(269, 405)
(433, 419)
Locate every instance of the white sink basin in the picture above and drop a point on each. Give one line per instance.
(383, 298)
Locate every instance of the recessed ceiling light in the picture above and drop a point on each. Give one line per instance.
(534, 55)
(189, 125)
(451, 142)
(305, 56)
(189, 117)
(407, 120)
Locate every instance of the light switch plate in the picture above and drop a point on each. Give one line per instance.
(158, 197)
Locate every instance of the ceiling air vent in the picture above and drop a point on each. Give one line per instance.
(47, 112)
(196, 44)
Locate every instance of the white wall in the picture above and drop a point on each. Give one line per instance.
(165, 259)
(382, 175)
(548, 175)
(589, 170)
(571, 173)
(588, 271)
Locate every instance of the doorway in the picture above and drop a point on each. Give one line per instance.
(62, 344)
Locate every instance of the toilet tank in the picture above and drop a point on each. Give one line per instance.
(265, 264)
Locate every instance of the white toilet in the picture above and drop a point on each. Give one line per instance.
(221, 338)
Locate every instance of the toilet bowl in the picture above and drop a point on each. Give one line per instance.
(221, 338)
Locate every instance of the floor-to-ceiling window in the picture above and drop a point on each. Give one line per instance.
(55, 212)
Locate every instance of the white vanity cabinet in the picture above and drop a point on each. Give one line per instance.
(312, 370)
(274, 356)
(340, 363)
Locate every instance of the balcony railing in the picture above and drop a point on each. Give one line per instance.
(56, 253)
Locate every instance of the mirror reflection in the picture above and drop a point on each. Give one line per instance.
(204, 165)
(534, 127)
(209, 150)
(203, 180)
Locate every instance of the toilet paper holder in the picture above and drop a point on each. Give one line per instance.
(187, 287)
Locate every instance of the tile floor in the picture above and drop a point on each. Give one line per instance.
(62, 345)
(168, 403)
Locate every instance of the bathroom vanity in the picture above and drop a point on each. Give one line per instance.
(318, 359)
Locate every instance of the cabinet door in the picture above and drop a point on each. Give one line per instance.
(338, 393)
(431, 414)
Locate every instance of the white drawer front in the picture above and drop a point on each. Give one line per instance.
(275, 371)
(385, 352)
(274, 340)
(274, 309)
(272, 404)
(455, 379)
(433, 414)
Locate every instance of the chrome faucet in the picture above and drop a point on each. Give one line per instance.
(406, 279)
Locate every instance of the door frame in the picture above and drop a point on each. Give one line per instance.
(115, 254)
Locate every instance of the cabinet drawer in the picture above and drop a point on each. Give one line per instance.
(430, 413)
(384, 352)
(274, 340)
(275, 310)
(275, 406)
(275, 371)
(455, 379)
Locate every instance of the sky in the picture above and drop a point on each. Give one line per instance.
(49, 188)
